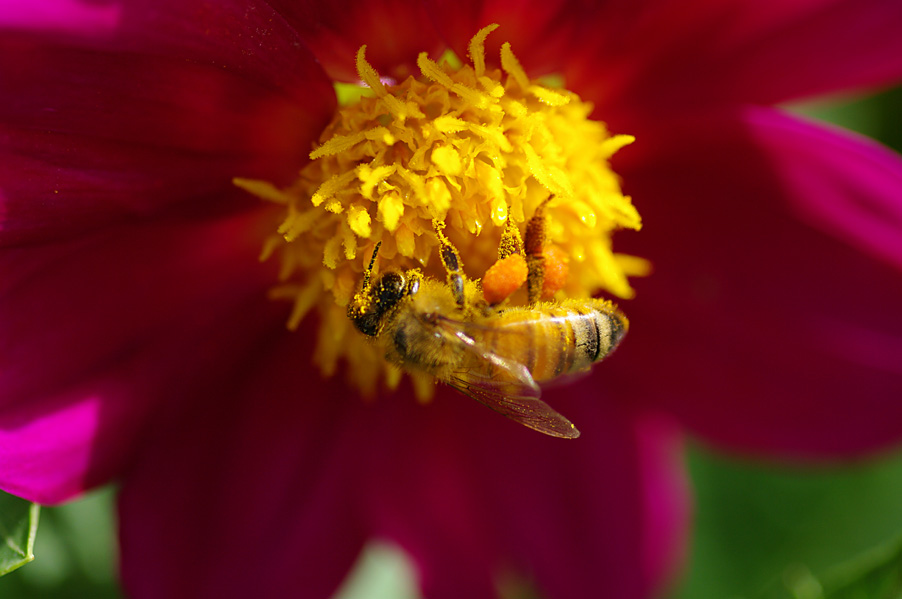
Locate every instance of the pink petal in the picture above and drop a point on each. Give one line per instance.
(244, 37)
(98, 333)
(477, 499)
(846, 185)
(395, 32)
(252, 482)
(646, 60)
(65, 16)
(693, 57)
(666, 500)
(758, 330)
(157, 111)
(297, 472)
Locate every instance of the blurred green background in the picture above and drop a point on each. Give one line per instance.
(760, 531)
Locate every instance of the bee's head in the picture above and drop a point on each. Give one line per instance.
(377, 300)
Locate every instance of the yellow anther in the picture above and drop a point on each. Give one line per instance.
(359, 221)
(439, 197)
(476, 49)
(334, 206)
(633, 266)
(493, 182)
(549, 96)
(270, 245)
(262, 189)
(433, 71)
(349, 242)
(554, 179)
(368, 74)
(447, 160)
(610, 146)
(391, 208)
(512, 67)
(371, 177)
(406, 241)
(370, 77)
(450, 124)
(498, 212)
(298, 223)
(304, 298)
(332, 186)
(338, 144)
(493, 135)
(332, 252)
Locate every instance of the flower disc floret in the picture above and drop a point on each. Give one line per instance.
(463, 145)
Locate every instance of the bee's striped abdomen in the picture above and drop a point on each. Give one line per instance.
(558, 339)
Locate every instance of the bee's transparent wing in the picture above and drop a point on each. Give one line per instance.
(505, 386)
(506, 399)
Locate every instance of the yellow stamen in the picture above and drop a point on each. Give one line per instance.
(512, 66)
(477, 49)
(463, 154)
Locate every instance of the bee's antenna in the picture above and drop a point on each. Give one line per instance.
(369, 269)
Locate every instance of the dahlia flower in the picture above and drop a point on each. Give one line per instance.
(154, 151)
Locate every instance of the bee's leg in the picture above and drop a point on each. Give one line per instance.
(535, 246)
(361, 301)
(451, 261)
(363, 309)
(511, 242)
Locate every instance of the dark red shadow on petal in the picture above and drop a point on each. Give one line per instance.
(480, 501)
(271, 479)
(252, 479)
(100, 129)
(245, 38)
(394, 31)
(764, 53)
(759, 331)
(653, 60)
(100, 332)
(681, 58)
(544, 35)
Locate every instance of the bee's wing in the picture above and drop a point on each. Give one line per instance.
(513, 394)
(506, 398)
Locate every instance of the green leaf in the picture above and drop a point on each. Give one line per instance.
(18, 526)
(877, 574)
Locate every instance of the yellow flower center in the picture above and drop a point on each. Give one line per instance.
(464, 146)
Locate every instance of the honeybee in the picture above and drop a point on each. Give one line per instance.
(496, 356)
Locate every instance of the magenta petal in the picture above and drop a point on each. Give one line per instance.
(477, 499)
(666, 501)
(103, 127)
(244, 37)
(846, 185)
(97, 333)
(643, 60)
(757, 329)
(69, 16)
(251, 483)
(744, 51)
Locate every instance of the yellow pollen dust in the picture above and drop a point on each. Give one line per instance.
(470, 147)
